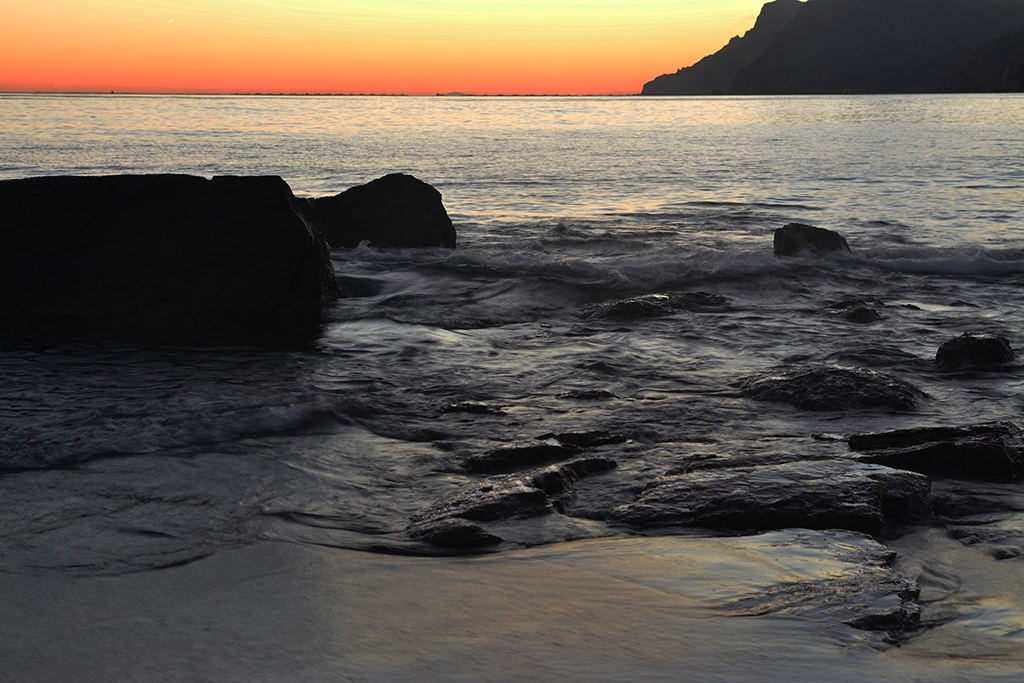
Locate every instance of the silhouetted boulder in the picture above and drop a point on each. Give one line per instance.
(528, 494)
(991, 450)
(831, 387)
(169, 254)
(793, 238)
(974, 349)
(397, 210)
(826, 494)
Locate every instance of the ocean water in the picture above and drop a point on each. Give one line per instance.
(120, 457)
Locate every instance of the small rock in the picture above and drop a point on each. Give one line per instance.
(831, 387)
(525, 454)
(974, 349)
(656, 306)
(796, 237)
(474, 408)
(453, 532)
(536, 492)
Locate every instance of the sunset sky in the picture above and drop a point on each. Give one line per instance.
(358, 46)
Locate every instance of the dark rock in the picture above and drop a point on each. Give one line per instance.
(588, 395)
(831, 387)
(536, 492)
(474, 408)
(713, 75)
(794, 238)
(397, 210)
(815, 495)
(855, 584)
(854, 311)
(656, 306)
(591, 439)
(525, 454)
(453, 532)
(231, 256)
(992, 450)
(974, 349)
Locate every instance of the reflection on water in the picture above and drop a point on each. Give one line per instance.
(871, 157)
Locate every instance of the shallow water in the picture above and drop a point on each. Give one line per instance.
(122, 455)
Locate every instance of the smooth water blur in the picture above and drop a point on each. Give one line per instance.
(119, 455)
(944, 168)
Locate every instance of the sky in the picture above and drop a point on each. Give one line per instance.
(414, 47)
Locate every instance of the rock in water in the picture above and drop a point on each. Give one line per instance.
(230, 256)
(831, 387)
(974, 349)
(397, 210)
(793, 238)
(830, 494)
(991, 450)
(448, 522)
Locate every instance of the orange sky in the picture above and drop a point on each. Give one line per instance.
(343, 46)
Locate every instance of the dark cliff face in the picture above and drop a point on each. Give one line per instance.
(877, 46)
(713, 75)
(865, 46)
(996, 67)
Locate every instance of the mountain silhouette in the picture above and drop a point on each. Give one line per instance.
(864, 46)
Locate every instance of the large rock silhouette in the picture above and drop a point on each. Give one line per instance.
(231, 257)
(397, 210)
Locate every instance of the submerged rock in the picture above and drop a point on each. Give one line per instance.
(831, 387)
(452, 532)
(656, 306)
(829, 494)
(397, 210)
(520, 455)
(591, 439)
(974, 349)
(854, 311)
(840, 575)
(793, 238)
(991, 450)
(229, 256)
(536, 492)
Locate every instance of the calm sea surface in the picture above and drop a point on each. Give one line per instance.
(120, 457)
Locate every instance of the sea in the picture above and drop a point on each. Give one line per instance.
(123, 458)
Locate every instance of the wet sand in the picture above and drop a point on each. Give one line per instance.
(650, 609)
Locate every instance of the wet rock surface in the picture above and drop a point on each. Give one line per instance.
(169, 254)
(527, 494)
(974, 350)
(855, 311)
(823, 494)
(831, 387)
(656, 306)
(860, 589)
(517, 456)
(397, 210)
(794, 238)
(991, 450)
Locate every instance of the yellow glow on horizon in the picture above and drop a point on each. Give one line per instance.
(340, 46)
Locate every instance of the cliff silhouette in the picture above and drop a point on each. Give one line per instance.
(865, 46)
